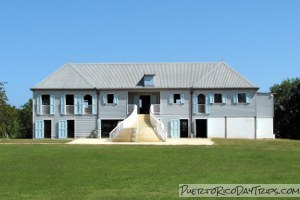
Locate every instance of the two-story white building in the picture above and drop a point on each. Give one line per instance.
(186, 100)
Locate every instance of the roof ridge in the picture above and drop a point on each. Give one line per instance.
(207, 74)
(234, 71)
(81, 75)
(144, 63)
(49, 76)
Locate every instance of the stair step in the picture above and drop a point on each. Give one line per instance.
(146, 132)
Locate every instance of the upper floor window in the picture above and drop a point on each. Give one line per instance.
(87, 100)
(148, 80)
(176, 99)
(201, 103)
(110, 99)
(78, 104)
(45, 104)
(241, 97)
(46, 99)
(70, 99)
(218, 98)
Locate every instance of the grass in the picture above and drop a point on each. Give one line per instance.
(62, 171)
(32, 141)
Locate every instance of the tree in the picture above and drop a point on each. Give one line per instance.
(287, 108)
(3, 109)
(25, 120)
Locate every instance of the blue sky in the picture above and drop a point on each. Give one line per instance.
(258, 38)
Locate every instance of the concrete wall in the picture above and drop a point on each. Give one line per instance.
(265, 105)
(240, 127)
(216, 127)
(264, 128)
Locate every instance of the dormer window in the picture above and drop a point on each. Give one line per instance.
(149, 80)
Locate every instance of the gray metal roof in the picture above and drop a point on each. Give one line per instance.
(128, 75)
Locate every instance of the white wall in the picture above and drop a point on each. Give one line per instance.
(240, 127)
(264, 128)
(216, 127)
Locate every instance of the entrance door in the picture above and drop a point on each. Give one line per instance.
(174, 128)
(144, 104)
(47, 129)
(71, 128)
(201, 128)
(184, 133)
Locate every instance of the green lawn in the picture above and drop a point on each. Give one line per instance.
(61, 171)
(31, 141)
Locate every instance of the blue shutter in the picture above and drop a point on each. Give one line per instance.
(211, 98)
(94, 104)
(235, 98)
(248, 98)
(104, 96)
(182, 99)
(76, 104)
(39, 129)
(224, 98)
(63, 104)
(195, 105)
(52, 104)
(38, 104)
(62, 129)
(207, 105)
(171, 98)
(80, 104)
(116, 99)
(174, 127)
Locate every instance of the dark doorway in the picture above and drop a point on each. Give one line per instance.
(107, 126)
(144, 104)
(71, 128)
(201, 128)
(184, 128)
(47, 128)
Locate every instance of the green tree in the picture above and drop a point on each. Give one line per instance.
(287, 108)
(25, 120)
(3, 109)
(11, 127)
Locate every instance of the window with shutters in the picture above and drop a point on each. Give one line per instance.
(241, 97)
(88, 104)
(110, 98)
(218, 98)
(69, 104)
(45, 104)
(177, 99)
(201, 103)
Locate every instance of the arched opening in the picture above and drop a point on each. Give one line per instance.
(201, 103)
(88, 104)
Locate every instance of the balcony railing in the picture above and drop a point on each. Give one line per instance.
(69, 109)
(201, 108)
(45, 109)
(88, 110)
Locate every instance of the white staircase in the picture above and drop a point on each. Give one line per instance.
(141, 131)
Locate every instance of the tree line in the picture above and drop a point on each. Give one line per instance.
(17, 122)
(14, 122)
